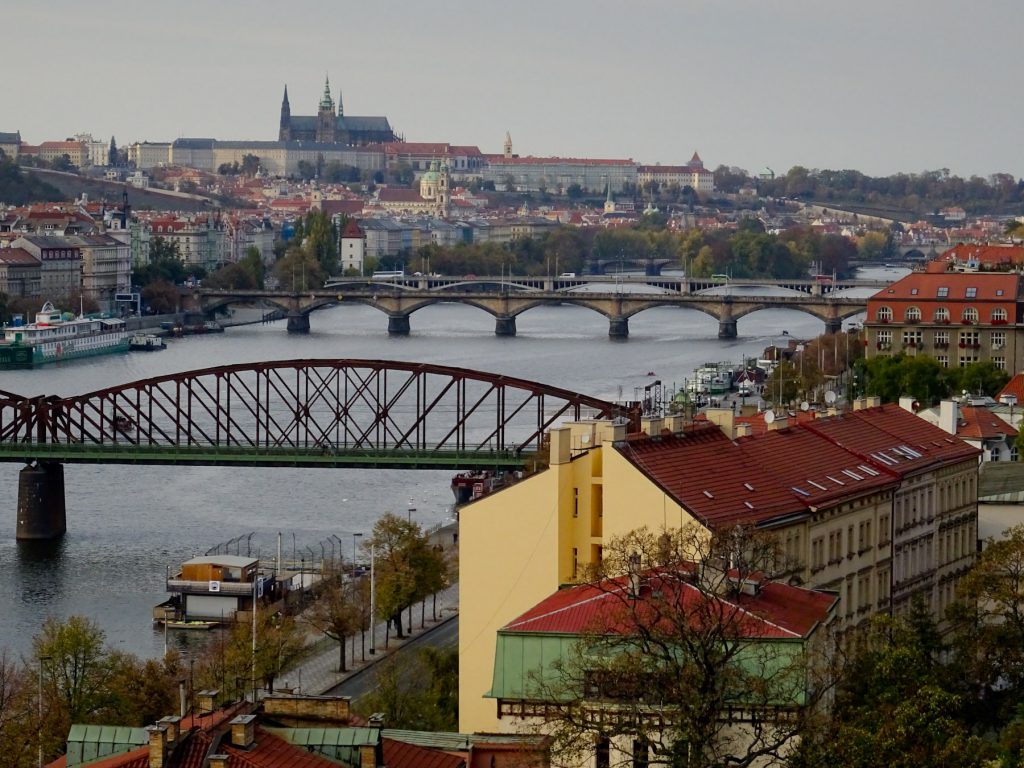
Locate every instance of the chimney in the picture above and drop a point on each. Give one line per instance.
(611, 432)
(376, 720)
(207, 700)
(874, 401)
(651, 425)
(744, 429)
(173, 723)
(182, 699)
(724, 418)
(243, 731)
(860, 404)
(949, 416)
(218, 761)
(674, 424)
(367, 756)
(157, 745)
(907, 403)
(781, 422)
(561, 445)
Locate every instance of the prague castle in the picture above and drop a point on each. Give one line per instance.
(328, 126)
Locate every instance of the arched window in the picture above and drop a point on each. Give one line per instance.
(884, 314)
(998, 315)
(970, 315)
(941, 315)
(913, 315)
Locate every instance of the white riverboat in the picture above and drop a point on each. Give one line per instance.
(56, 336)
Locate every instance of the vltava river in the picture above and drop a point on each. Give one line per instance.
(127, 525)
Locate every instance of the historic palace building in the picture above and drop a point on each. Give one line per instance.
(330, 126)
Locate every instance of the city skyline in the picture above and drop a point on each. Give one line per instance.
(881, 88)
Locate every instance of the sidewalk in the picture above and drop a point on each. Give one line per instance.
(319, 672)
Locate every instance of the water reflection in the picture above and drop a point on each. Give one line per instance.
(41, 571)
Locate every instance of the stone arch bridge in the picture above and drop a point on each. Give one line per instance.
(506, 300)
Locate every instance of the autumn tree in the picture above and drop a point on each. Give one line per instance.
(299, 271)
(421, 693)
(19, 719)
(340, 609)
(408, 568)
(672, 655)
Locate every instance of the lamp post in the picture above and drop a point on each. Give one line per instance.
(373, 600)
(39, 735)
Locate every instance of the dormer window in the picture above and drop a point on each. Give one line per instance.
(972, 293)
(913, 315)
(943, 292)
(970, 315)
(884, 314)
(942, 315)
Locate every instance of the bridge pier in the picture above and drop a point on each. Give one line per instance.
(618, 328)
(398, 325)
(41, 511)
(727, 329)
(505, 326)
(651, 269)
(834, 325)
(298, 322)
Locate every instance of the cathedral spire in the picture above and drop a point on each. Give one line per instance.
(326, 102)
(284, 102)
(341, 109)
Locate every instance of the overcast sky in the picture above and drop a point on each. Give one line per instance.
(877, 85)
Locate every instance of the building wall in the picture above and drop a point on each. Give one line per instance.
(508, 560)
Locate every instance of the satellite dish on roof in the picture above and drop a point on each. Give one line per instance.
(769, 417)
(830, 397)
(805, 406)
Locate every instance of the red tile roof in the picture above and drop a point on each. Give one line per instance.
(711, 477)
(982, 424)
(986, 254)
(348, 207)
(927, 284)
(883, 435)
(399, 754)
(776, 611)
(17, 256)
(271, 751)
(1014, 386)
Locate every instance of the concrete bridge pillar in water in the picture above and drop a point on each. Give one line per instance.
(398, 325)
(298, 322)
(505, 325)
(618, 328)
(651, 269)
(41, 511)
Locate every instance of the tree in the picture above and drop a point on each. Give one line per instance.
(672, 656)
(76, 666)
(112, 153)
(18, 715)
(340, 609)
(250, 164)
(418, 694)
(161, 296)
(408, 568)
(896, 705)
(231, 276)
(298, 271)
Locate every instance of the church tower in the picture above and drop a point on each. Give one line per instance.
(285, 131)
(444, 191)
(326, 121)
(508, 145)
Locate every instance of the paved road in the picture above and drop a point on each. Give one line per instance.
(444, 635)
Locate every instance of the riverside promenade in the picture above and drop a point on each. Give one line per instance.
(319, 673)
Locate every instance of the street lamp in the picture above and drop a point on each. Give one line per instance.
(410, 511)
(373, 600)
(40, 732)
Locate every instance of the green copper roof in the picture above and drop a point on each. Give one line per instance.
(87, 743)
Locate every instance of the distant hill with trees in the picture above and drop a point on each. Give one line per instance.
(920, 194)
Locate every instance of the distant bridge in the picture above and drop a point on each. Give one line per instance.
(296, 413)
(507, 298)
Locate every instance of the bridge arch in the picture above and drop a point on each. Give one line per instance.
(317, 412)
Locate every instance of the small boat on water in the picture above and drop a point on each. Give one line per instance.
(191, 625)
(146, 342)
(57, 336)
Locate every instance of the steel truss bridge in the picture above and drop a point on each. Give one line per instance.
(304, 413)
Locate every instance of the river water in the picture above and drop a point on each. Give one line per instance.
(127, 525)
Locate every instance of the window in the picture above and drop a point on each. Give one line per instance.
(641, 753)
(969, 340)
(884, 314)
(941, 315)
(913, 291)
(970, 315)
(943, 292)
(884, 339)
(942, 360)
(913, 315)
(911, 338)
(993, 453)
(998, 339)
(941, 338)
(998, 315)
(999, 362)
(971, 293)
(602, 753)
(967, 358)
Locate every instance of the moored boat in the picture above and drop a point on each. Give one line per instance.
(146, 342)
(57, 336)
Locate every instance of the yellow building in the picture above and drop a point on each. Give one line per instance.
(825, 487)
